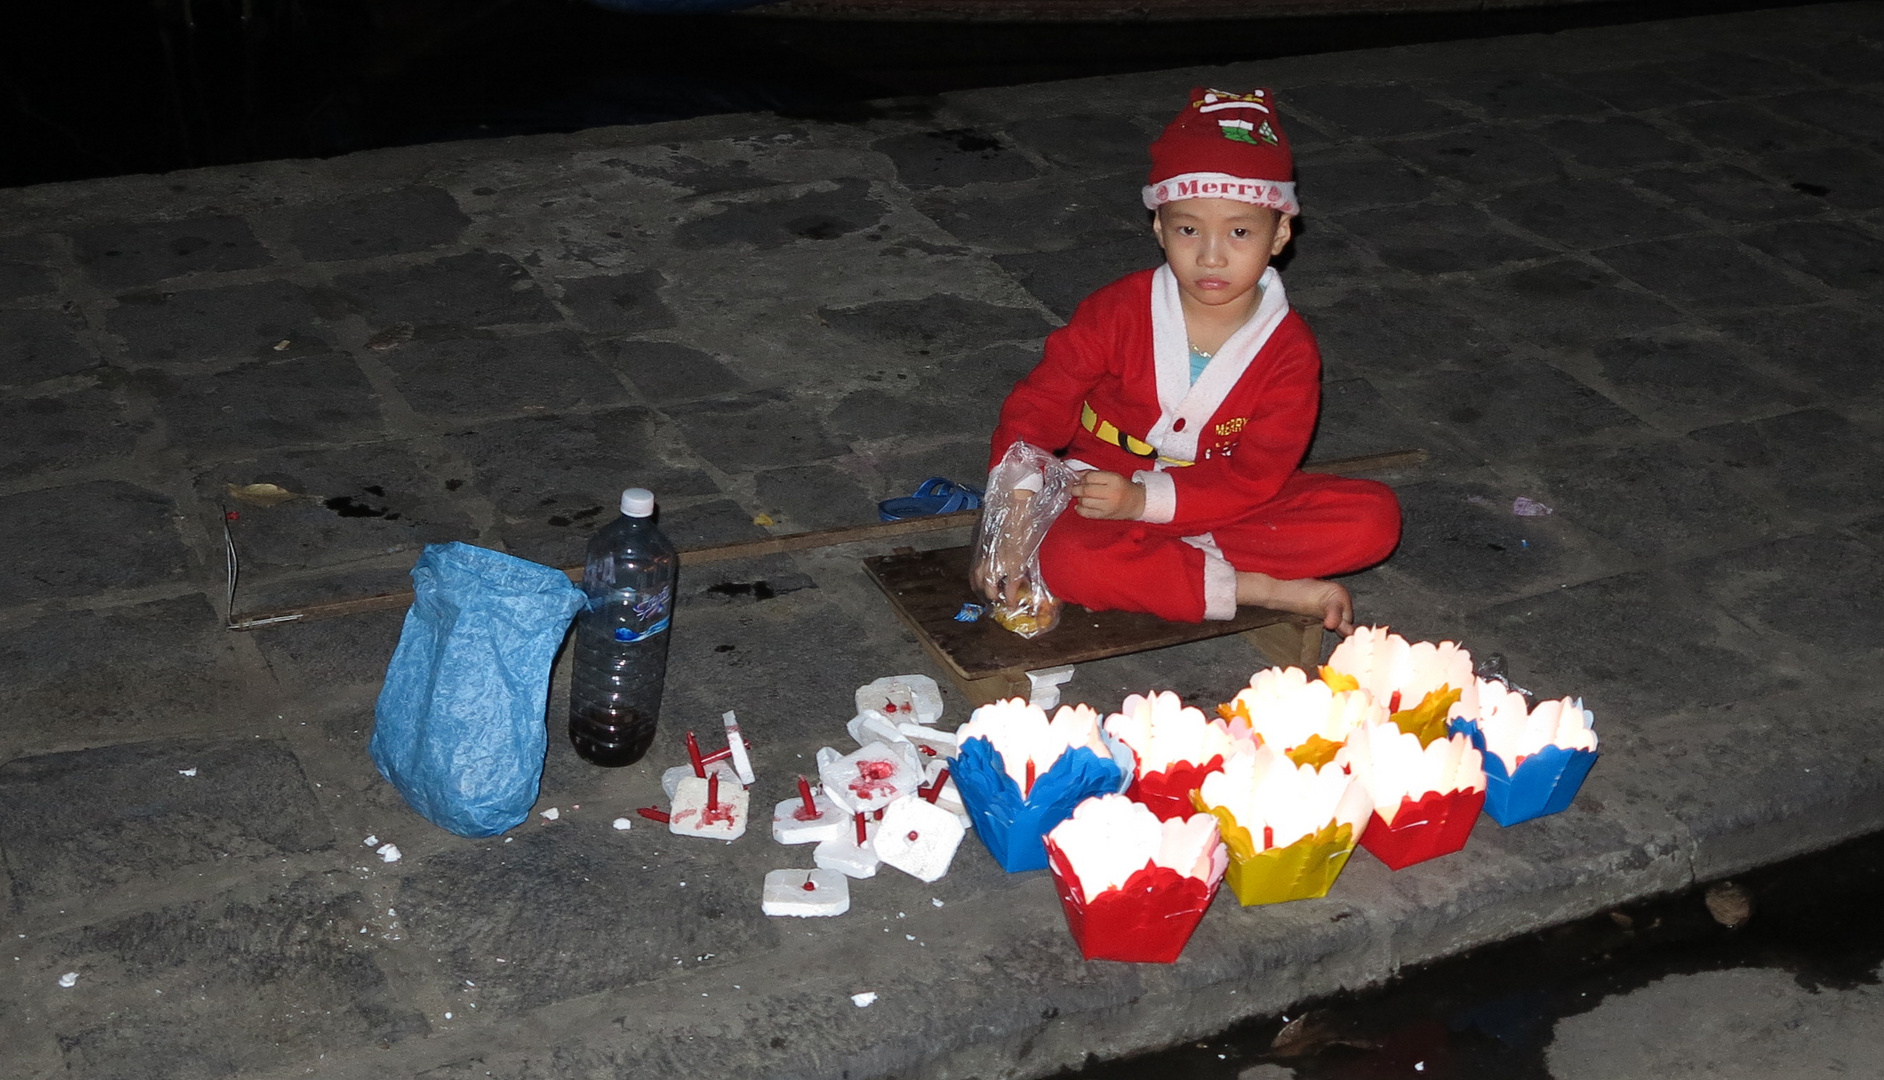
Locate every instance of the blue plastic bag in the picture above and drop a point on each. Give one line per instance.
(459, 726)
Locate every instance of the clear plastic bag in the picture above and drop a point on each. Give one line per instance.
(1027, 491)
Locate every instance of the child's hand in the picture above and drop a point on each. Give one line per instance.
(1108, 496)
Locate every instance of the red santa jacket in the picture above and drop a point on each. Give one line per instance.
(1245, 424)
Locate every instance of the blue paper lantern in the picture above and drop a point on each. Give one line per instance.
(1013, 826)
(1544, 783)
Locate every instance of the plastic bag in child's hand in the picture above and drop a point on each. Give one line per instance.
(1027, 491)
(459, 726)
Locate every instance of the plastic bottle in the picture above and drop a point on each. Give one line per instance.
(621, 636)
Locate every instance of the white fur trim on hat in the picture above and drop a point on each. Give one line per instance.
(1278, 195)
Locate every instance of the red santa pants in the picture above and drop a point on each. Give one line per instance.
(1315, 527)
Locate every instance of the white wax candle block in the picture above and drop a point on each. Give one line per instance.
(1045, 685)
(843, 854)
(806, 894)
(871, 726)
(789, 826)
(872, 777)
(670, 780)
(742, 763)
(690, 816)
(902, 697)
(919, 839)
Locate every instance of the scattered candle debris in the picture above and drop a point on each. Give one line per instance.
(623, 824)
(191, 771)
(70, 979)
(387, 853)
(862, 1001)
(552, 814)
(371, 841)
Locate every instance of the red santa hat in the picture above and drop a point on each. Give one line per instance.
(1224, 146)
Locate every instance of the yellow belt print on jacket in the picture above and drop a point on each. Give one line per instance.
(1131, 444)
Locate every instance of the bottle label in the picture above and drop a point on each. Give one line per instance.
(650, 611)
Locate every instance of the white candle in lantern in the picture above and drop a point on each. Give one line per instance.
(1163, 731)
(1280, 802)
(1287, 708)
(1386, 663)
(1392, 766)
(1027, 741)
(1513, 731)
(1109, 838)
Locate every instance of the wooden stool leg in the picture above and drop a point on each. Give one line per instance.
(1288, 643)
(993, 688)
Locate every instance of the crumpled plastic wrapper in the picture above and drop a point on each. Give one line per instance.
(1027, 491)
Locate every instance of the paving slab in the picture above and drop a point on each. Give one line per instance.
(1628, 272)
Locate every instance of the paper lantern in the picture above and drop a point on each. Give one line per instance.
(1305, 718)
(1019, 775)
(1133, 887)
(1173, 748)
(1535, 760)
(1290, 828)
(1425, 797)
(1411, 679)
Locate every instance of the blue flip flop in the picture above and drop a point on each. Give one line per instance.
(933, 496)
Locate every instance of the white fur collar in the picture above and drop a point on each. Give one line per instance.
(1178, 397)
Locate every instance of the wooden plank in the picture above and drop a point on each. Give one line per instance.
(873, 532)
(742, 549)
(927, 588)
(1368, 464)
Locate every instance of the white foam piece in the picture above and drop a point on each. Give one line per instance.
(918, 838)
(844, 855)
(902, 697)
(871, 726)
(950, 797)
(1045, 685)
(689, 815)
(670, 780)
(941, 744)
(788, 827)
(742, 762)
(806, 894)
(872, 777)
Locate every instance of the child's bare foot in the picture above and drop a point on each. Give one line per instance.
(1304, 596)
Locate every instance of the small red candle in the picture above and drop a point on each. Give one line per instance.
(693, 754)
(804, 793)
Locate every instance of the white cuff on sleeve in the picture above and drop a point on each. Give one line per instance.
(1160, 496)
(1219, 579)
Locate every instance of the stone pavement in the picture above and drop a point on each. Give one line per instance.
(1632, 273)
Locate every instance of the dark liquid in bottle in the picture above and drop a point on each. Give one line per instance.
(611, 738)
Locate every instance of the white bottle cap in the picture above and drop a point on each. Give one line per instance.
(637, 502)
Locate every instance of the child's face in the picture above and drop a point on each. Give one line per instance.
(1218, 248)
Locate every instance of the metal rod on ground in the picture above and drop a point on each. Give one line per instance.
(774, 545)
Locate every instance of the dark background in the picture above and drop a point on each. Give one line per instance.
(105, 88)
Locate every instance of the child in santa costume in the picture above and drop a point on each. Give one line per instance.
(1186, 396)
